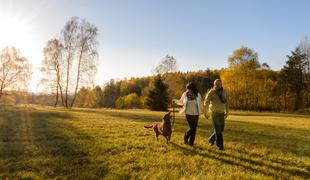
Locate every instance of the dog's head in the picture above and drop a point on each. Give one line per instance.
(167, 117)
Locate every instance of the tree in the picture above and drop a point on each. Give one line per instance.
(82, 97)
(283, 88)
(240, 79)
(98, 96)
(76, 54)
(294, 68)
(132, 100)
(169, 64)
(52, 68)
(89, 98)
(133, 85)
(86, 53)
(110, 93)
(15, 70)
(304, 47)
(244, 56)
(265, 66)
(158, 99)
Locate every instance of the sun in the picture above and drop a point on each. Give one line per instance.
(14, 32)
(19, 32)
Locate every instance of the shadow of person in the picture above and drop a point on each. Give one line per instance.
(256, 166)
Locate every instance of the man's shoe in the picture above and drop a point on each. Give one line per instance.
(211, 143)
(221, 148)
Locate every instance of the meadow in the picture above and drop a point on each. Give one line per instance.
(55, 143)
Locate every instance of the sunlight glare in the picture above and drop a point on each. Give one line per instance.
(13, 33)
(18, 32)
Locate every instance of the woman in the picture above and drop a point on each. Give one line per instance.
(190, 101)
(217, 102)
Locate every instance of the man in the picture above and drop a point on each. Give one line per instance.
(217, 102)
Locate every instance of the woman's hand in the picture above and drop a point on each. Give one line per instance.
(226, 115)
(206, 114)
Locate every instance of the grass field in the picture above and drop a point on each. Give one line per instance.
(44, 143)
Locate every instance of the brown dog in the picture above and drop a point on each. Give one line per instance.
(163, 128)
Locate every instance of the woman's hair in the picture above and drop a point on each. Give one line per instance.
(191, 86)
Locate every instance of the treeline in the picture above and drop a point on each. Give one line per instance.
(11, 98)
(251, 85)
(254, 86)
(133, 93)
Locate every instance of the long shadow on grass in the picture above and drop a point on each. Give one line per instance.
(291, 140)
(285, 115)
(54, 142)
(255, 166)
(277, 138)
(12, 144)
(139, 117)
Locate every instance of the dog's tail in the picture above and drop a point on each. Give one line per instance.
(148, 126)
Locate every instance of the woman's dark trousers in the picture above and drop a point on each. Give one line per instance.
(191, 132)
(218, 122)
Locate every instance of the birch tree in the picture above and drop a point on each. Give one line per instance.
(72, 59)
(15, 71)
(52, 68)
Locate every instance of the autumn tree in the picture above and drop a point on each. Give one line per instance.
(15, 70)
(86, 53)
(239, 78)
(52, 68)
(133, 85)
(110, 93)
(82, 96)
(97, 97)
(169, 64)
(132, 100)
(304, 47)
(78, 46)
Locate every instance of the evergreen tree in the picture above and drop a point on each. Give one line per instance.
(110, 93)
(157, 98)
(98, 97)
(293, 70)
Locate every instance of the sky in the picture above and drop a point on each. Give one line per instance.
(135, 35)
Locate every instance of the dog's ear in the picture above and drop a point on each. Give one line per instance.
(168, 116)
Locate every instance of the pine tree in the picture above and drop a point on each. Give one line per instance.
(157, 98)
(293, 70)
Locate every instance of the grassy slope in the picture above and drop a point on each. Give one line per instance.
(55, 143)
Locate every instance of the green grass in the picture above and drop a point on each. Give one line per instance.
(45, 143)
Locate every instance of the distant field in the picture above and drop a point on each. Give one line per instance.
(40, 143)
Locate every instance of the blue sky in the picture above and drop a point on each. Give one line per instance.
(135, 35)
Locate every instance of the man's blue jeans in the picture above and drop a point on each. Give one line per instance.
(218, 122)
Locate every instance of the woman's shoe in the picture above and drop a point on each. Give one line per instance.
(185, 139)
